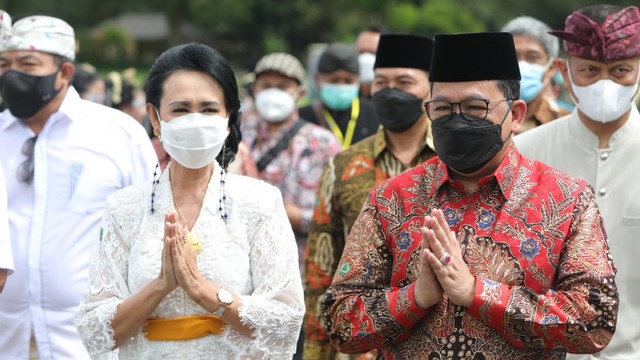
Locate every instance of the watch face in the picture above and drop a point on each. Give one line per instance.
(226, 298)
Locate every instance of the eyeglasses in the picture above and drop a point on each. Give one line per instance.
(479, 108)
(25, 169)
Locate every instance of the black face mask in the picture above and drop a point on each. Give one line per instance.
(25, 94)
(397, 110)
(467, 144)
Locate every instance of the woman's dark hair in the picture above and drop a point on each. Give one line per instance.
(203, 58)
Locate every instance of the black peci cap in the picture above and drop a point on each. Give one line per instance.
(404, 51)
(474, 57)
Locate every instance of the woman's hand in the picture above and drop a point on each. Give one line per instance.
(167, 277)
(185, 264)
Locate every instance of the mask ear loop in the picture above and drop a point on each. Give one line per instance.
(547, 66)
(157, 114)
(574, 98)
(296, 94)
(509, 102)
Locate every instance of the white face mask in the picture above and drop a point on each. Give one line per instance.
(274, 105)
(604, 100)
(194, 140)
(366, 61)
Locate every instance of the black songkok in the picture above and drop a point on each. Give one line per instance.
(404, 51)
(474, 57)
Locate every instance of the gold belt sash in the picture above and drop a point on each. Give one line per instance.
(183, 328)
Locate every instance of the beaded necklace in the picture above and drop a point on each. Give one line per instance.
(222, 201)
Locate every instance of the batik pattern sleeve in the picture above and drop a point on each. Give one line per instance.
(579, 312)
(324, 247)
(107, 287)
(275, 308)
(361, 310)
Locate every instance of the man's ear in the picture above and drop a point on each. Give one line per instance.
(518, 112)
(561, 65)
(551, 71)
(302, 91)
(67, 70)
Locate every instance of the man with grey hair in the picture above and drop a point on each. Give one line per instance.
(540, 83)
(600, 142)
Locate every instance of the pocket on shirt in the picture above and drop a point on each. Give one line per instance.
(88, 188)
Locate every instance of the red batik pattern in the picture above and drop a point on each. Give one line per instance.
(344, 188)
(532, 236)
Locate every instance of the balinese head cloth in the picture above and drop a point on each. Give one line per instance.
(37, 33)
(617, 38)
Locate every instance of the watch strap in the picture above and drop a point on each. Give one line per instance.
(220, 310)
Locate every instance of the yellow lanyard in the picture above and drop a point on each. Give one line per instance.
(351, 127)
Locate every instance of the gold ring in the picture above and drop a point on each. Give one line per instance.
(183, 240)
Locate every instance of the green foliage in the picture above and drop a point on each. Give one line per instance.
(112, 43)
(244, 30)
(444, 16)
(436, 16)
(403, 17)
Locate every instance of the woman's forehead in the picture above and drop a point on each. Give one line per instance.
(191, 84)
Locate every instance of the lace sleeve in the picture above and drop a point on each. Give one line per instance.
(276, 307)
(107, 288)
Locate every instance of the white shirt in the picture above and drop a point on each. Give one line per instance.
(569, 146)
(6, 254)
(84, 153)
(253, 254)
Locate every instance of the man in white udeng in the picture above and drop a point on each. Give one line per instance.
(61, 156)
(600, 142)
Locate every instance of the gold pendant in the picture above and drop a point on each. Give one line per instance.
(195, 242)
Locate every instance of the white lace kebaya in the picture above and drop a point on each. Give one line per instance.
(253, 254)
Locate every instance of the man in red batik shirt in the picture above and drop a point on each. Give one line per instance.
(478, 253)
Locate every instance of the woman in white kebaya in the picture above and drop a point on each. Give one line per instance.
(200, 264)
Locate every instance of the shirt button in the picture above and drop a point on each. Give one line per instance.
(604, 156)
(602, 191)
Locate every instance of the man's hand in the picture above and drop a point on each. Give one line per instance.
(445, 257)
(428, 291)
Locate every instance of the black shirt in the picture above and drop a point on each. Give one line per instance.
(366, 125)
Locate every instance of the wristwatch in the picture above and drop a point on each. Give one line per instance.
(225, 298)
